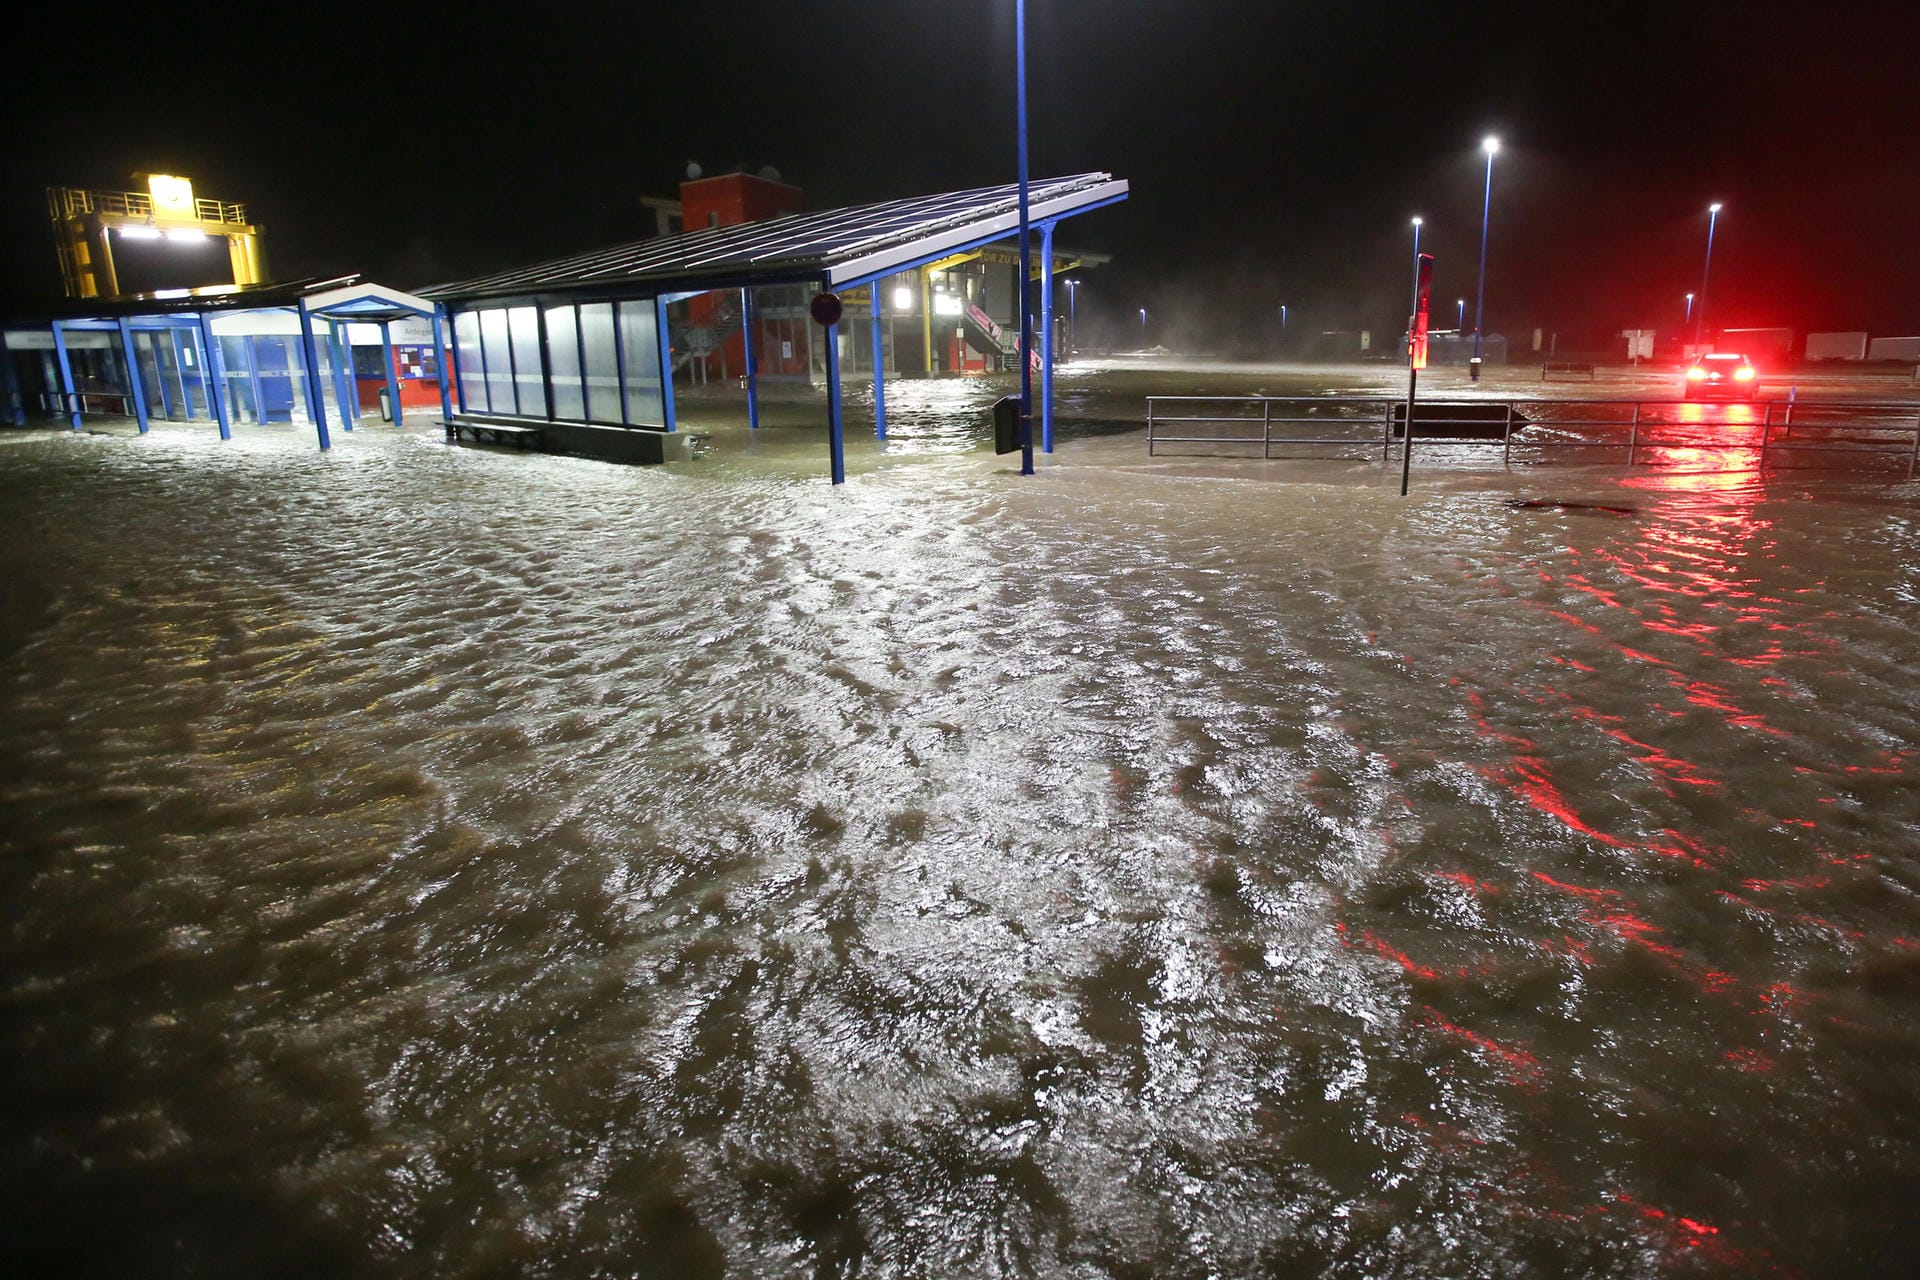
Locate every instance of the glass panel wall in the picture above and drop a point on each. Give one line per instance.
(640, 353)
(602, 366)
(234, 363)
(497, 351)
(563, 362)
(466, 335)
(523, 323)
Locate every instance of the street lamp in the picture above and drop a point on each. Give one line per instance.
(1492, 147)
(1700, 311)
(1283, 322)
(1460, 321)
(1143, 326)
(1073, 325)
(1689, 308)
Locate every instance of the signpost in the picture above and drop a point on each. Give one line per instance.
(1416, 360)
(825, 310)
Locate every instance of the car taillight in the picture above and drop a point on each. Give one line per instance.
(1743, 374)
(1696, 374)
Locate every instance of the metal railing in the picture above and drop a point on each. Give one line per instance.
(71, 202)
(1641, 427)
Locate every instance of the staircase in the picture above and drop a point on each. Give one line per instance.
(1000, 347)
(693, 342)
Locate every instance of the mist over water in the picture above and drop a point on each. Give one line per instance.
(433, 861)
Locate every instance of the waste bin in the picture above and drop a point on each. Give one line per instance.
(386, 406)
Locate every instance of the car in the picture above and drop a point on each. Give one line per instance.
(1723, 375)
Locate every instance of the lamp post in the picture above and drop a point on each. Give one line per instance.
(1700, 309)
(1416, 286)
(1460, 322)
(1143, 326)
(1283, 323)
(1492, 147)
(1073, 325)
(1026, 250)
(1689, 308)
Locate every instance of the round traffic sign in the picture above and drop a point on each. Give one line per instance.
(825, 308)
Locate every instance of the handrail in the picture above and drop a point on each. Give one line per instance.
(1520, 421)
(71, 202)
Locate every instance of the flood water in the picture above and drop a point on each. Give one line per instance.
(429, 861)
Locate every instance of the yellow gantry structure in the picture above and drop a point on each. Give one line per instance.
(86, 224)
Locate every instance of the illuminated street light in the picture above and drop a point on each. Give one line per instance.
(1073, 323)
(1492, 147)
(1143, 324)
(1283, 322)
(1460, 322)
(1700, 309)
(1689, 308)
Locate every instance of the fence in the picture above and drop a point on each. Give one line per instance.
(1640, 427)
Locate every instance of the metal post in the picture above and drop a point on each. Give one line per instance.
(879, 366)
(16, 408)
(160, 376)
(753, 364)
(68, 399)
(1386, 433)
(1149, 426)
(580, 345)
(346, 388)
(926, 319)
(393, 376)
(135, 392)
(440, 363)
(1766, 429)
(1046, 337)
(310, 357)
(1914, 457)
(1480, 301)
(1266, 427)
(180, 367)
(836, 447)
(253, 379)
(451, 352)
(1507, 438)
(1633, 433)
(1026, 250)
(1406, 444)
(216, 380)
(665, 339)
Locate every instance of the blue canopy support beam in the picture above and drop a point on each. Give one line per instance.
(879, 366)
(440, 363)
(339, 358)
(836, 441)
(665, 343)
(135, 391)
(253, 381)
(1046, 337)
(393, 378)
(310, 359)
(160, 374)
(70, 402)
(752, 359)
(216, 378)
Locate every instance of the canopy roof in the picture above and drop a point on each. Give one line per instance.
(835, 247)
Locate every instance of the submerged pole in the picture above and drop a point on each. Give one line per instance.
(835, 443)
(1026, 250)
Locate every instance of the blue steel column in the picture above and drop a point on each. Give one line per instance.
(1046, 337)
(835, 444)
(393, 379)
(440, 363)
(160, 375)
(346, 392)
(1026, 250)
(16, 407)
(253, 379)
(753, 364)
(135, 392)
(310, 356)
(67, 397)
(216, 380)
(666, 359)
(879, 368)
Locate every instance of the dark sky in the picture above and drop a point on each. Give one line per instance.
(1276, 150)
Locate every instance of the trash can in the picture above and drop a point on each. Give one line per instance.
(386, 406)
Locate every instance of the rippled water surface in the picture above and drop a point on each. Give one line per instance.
(431, 861)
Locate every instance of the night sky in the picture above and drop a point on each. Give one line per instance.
(1276, 151)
